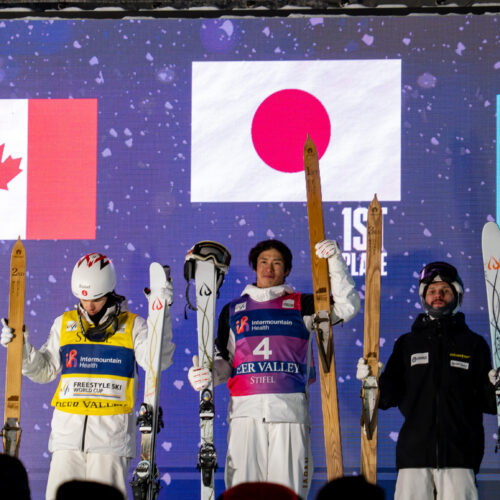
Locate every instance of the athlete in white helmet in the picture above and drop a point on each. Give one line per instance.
(438, 377)
(263, 351)
(95, 349)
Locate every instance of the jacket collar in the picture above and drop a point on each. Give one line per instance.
(264, 294)
(425, 322)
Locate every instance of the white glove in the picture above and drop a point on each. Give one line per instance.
(493, 374)
(363, 369)
(199, 377)
(167, 293)
(326, 249)
(7, 333)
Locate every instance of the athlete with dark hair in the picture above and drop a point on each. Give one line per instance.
(263, 352)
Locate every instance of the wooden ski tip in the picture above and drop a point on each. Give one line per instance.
(309, 143)
(18, 248)
(374, 204)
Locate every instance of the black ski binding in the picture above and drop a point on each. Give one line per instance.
(207, 462)
(207, 407)
(141, 480)
(145, 419)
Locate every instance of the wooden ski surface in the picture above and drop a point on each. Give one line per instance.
(321, 288)
(369, 394)
(13, 378)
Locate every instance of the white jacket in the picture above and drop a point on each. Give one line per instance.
(109, 434)
(291, 407)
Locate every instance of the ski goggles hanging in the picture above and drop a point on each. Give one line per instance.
(206, 250)
(101, 332)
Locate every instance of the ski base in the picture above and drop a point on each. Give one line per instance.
(491, 261)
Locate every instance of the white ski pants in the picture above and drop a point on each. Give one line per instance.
(269, 451)
(67, 465)
(450, 484)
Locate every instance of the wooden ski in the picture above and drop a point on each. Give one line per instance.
(12, 430)
(324, 337)
(369, 391)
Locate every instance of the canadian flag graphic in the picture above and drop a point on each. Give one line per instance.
(48, 168)
(250, 121)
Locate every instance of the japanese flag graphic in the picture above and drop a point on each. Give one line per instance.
(48, 168)
(250, 121)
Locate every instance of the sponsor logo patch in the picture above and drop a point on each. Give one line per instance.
(240, 307)
(421, 358)
(71, 326)
(459, 364)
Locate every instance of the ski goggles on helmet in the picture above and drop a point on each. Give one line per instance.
(445, 271)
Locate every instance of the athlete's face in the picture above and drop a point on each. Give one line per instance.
(270, 269)
(439, 294)
(93, 306)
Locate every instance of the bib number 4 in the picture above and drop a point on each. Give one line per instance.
(263, 349)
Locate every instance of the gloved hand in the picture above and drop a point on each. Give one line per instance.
(7, 333)
(326, 249)
(493, 374)
(167, 293)
(198, 376)
(363, 369)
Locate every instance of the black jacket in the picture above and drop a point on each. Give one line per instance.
(438, 377)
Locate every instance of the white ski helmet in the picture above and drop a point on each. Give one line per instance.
(93, 277)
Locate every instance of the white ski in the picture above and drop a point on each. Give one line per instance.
(491, 262)
(146, 481)
(205, 278)
(206, 262)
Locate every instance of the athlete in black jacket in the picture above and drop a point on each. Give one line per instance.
(437, 375)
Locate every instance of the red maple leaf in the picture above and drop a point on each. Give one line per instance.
(8, 169)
